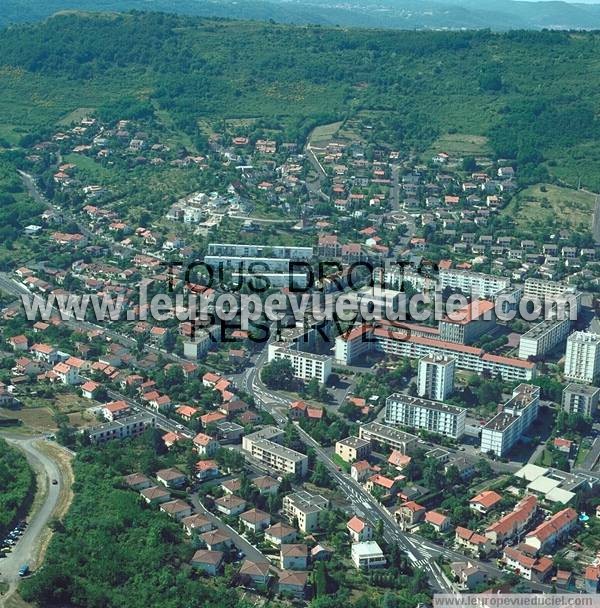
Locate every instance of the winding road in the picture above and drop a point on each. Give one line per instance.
(27, 548)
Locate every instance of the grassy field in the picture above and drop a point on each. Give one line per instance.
(551, 206)
(322, 135)
(75, 117)
(459, 145)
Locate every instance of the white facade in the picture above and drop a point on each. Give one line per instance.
(424, 414)
(543, 337)
(436, 377)
(582, 360)
(580, 399)
(367, 555)
(501, 433)
(305, 508)
(306, 365)
(259, 251)
(477, 283)
(261, 445)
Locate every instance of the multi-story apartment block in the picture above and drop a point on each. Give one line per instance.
(388, 436)
(465, 325)
(436, 377)
(478, 284)
(259, 251)
(582, 359)
(401, 341)
(261, 445)
(501, 433)
(419, 413)
(306, 509)
(580, 399)
(130, 426)
(306, 365)
(543, 338)
(352, 448)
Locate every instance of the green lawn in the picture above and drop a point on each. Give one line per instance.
(551, 206)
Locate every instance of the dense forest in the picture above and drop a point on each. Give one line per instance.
(533, 94)
(17, 483)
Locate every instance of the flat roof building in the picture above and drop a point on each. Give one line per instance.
(423, 414)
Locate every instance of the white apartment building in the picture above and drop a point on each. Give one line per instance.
(131, 426)
(402, 342)
(543, 289)
(479, 284)
(367, 555)
(306, 365)
(259, 251)
(388, 436)
(543, 338)
(432, 416)
(501, 433)
(261, 445)
(582, 360)
(436, 377)
(580, 399)
(305, 508)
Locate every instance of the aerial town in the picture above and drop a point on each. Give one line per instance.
(305, 456)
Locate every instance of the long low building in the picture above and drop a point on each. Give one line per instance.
(262, 446)
(130, 426)
(401, 342)
(388, 436)
(266, 251)
(419, 413)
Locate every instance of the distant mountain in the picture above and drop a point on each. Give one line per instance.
(396, 14)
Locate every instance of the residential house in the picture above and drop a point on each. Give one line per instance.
(230, 505)
(217, 540)
(209, 562)
(205, 445)
(525, 564)
(266, 485)
(255, 520)
(280, 533)
(115, 409)
(254, 573)
(293, 583)
(359, 529)
(513, 523)
(440, 522)
(155, 495)
(90, 389)
(207, 469)
(360, 471)
(409, 514)
(197, 523)
(171, 478)
(476, 543)
(137, 482)
(178, 509)
(467, 575)
(485, 502)
(591, 579)
(294, 557)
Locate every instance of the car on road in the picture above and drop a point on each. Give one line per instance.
(54, 482)
(24, 570)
